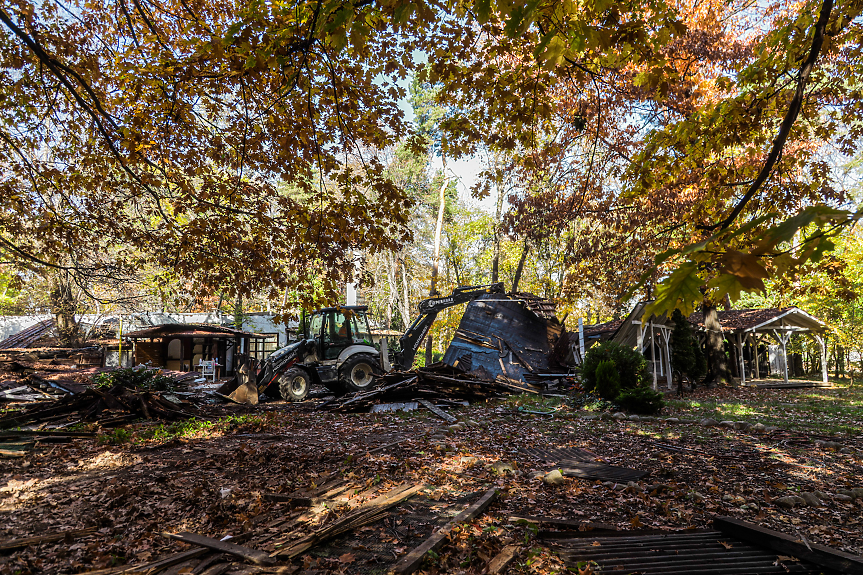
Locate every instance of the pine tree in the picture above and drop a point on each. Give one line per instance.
(686, 355)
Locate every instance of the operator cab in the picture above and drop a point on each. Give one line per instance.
(335, 329)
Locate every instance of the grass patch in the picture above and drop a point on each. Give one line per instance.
(823, 411)
(533, 401)
(199, 428)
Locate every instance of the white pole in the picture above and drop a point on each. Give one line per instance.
(666, 335)
(581, 338)
(822, 343)
(653, 354)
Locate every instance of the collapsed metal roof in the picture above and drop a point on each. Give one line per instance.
(508, 334)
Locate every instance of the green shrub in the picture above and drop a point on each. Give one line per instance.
(135, 378)
(631, 366)
(641, 400)
(607, 380)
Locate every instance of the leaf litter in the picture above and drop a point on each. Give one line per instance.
(214, 479)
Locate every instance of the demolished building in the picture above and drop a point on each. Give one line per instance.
(514, 335)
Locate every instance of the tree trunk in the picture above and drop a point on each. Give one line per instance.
(437, 233)
(520, 267)
(238, 313)
(717, 360)
(63, 307)
(495, 261)
(392, 289)
(436, 259)
(405, 302)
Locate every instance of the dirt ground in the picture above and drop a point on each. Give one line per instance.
(138, 481)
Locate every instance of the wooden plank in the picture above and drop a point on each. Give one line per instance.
(39, 539)
(788, 545)
(254, 555)
(294, 501)
(437, 411)
(411, 562)
(502, 560)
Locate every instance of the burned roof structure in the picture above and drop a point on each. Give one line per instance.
(182, 347)
(512, 335)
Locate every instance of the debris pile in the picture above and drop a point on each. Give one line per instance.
(437, 382)
(109, 407)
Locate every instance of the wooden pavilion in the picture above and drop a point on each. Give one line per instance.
(748, 333)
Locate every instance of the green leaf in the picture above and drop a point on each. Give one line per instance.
(726, 284)
(681, 290)
(483, 11)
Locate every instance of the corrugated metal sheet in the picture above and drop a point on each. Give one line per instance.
(27, 337)
(679, 553)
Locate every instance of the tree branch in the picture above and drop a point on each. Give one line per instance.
(787, 121)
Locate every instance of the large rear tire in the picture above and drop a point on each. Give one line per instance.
(357, 372)
(294, 384)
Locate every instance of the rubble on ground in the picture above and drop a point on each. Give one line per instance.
(438, 382)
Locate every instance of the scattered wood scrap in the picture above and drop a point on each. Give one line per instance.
(437, 411)
(255, 556)
(436, 382)
(411, 562)
(154, 566)
(368, 513)
(114, 406)
(580, 463)
(562, 523)
(501, 561)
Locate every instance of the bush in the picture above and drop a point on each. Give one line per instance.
(135, 378)
(607, 380)
(631, 366)
(641, 400)
(619, 374)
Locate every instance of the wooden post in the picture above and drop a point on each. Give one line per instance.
(742, 362)
(653, 354)
(581, 339)
(755, 357)
(823, 345)
(666, 336)
(783, 341)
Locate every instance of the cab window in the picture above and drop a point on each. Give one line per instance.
(315, 324)
(360, 329)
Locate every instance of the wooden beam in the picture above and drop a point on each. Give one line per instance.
(502, 560)
(788, 545)
(254, 555)
(155, 566)
(437, 411)
(39, 539)
(411, 562)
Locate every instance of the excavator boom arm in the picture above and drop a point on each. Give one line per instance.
(429, 308)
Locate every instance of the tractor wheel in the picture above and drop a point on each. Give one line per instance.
(294, 384)
(356, 373)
